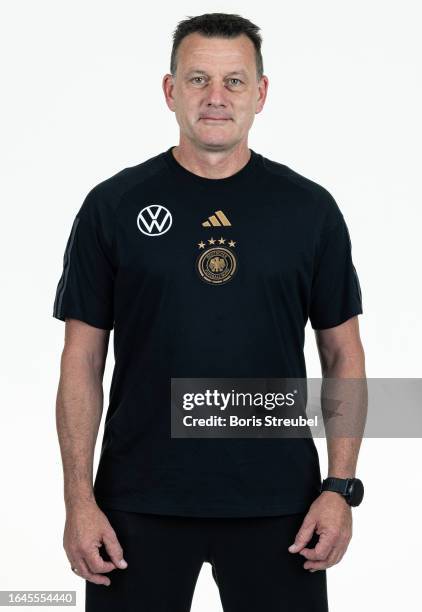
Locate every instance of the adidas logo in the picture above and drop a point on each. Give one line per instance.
(217, 220)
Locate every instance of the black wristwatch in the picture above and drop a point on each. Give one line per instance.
(350, 488)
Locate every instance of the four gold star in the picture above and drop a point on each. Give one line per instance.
(211, 240)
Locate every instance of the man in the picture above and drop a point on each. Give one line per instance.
(206, 260)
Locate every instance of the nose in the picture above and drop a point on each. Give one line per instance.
(215, 95)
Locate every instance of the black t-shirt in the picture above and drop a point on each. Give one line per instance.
(205, 278)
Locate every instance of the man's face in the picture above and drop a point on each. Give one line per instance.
(215, 94)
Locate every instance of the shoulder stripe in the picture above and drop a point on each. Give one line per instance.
(65, 274)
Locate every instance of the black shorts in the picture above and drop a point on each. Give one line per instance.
(250, 564)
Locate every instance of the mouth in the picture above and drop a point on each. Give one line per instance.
(214, 119)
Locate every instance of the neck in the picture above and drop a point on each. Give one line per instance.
(211, 164)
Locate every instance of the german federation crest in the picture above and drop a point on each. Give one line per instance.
(217, 265)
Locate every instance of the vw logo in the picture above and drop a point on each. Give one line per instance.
(154, 220)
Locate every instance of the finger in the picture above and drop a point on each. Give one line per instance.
(84, 572)
(114, 550)
(322, 549)
(325, 564)
(95, 578)
(96, 564)
(341, 555)
(303, 535)
(339, 544)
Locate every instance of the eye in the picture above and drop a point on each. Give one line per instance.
(235, 79)
(197, 77)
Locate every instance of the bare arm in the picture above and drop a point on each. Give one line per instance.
(79, 406)
(342, 356)
(78, 415)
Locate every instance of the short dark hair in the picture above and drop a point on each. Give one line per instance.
(224, 25)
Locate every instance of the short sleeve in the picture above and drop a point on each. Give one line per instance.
(336, 292)
(85, 290)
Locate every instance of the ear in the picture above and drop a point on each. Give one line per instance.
(168, 88)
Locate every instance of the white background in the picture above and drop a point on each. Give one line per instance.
(82, 99)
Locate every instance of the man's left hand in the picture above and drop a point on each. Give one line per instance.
(331, 517)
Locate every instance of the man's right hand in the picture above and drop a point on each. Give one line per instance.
(87, 528)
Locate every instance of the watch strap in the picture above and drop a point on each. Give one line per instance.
(338, 485)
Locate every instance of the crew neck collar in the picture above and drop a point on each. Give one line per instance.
(244, 173)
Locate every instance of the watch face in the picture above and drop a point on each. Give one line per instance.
(355, 493)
